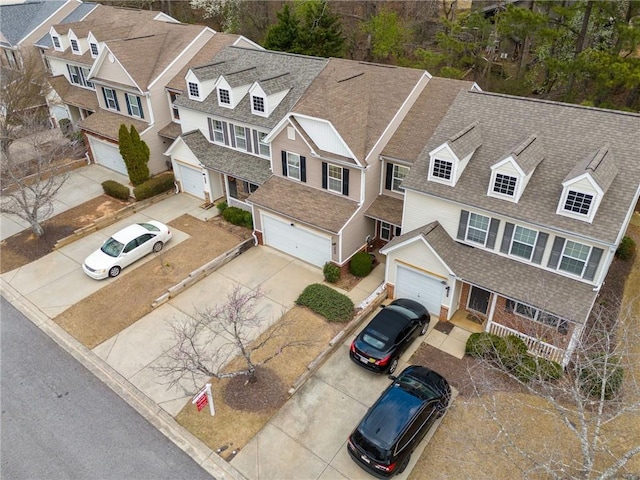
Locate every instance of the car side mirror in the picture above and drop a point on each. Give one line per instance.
(393, 378)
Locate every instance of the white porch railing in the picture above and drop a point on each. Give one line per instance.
(233, 202)
(536, 347)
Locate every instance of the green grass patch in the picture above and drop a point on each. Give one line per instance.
(325, 301)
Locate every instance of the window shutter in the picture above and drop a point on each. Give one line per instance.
(303, 169)
(70, 81)
(232, 133)
(104, 94)
(592, 266)
(506, 238)
(538, 250)
(140, 107)
(462, 225)
(554, 258)
(126, 97)
(388, 184)
(225, 133)
(247, 134)
(256, 147)
(493, 232)
(210, 122)
(284, 163)
(115, 97)
(345, 181)
(324, 175)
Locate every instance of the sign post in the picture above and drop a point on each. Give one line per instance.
(204, 397)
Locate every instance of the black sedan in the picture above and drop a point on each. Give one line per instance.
(389, 334)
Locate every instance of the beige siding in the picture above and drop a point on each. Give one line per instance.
(583, 185)
(416, 255)
(113, 72)
(508, 169)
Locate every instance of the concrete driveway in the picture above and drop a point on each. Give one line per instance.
(306, 439)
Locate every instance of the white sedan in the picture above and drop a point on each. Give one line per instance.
(125, 247)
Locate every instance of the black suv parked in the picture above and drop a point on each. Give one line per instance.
(392, 428)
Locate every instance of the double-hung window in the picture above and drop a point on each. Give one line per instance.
(523, 242)
(241, 138)
(134, 105)
(442, 169)
(175, 111)
(85, 75)
(265, 149)
(574, 258)
(334, 179)
(110, 98)
(75, 75)
(537, 315)
(218, 133)
(399, 173)
(477, 228)
(578, 202)
(293, 165)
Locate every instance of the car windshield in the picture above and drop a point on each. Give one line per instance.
(403, 310)
(376, 339)
(419, 388)
(112, 247)
(150, 227)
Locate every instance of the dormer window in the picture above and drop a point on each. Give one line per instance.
(56, 43)
(94, 49)
(74, 46)
(257, 104)
(578, 202)
(194, 90)
(505, 185)
(224, 97)
(442, 169)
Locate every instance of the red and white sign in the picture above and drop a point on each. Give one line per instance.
(204, 398)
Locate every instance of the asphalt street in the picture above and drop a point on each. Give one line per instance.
(59, 421)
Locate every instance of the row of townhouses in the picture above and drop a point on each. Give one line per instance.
(503, 208)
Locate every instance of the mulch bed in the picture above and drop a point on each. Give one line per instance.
(267, 392)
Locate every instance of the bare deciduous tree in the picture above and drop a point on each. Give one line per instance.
(598, 393)
(206, 342)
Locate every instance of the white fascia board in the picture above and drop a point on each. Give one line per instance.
(176, 142)
(584, 176)
(245, 39)
(45, 21)
(163, 17)
(179, 56)
(335, 132)
(419, 238)
(439, 148)
(106, 48)
(510, 160)
(278, 128)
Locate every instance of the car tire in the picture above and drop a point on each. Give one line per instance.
(393, 366)
(404, 465)
(114, 271)
(157, 246)
(425, 327)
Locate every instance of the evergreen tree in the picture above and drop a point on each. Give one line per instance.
(283, 35)
(140, 158)
(126, 147)
(321, 31)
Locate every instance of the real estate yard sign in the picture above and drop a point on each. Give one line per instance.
(204, 397)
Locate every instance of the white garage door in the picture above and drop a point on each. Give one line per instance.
(420, 287)
(108, 155)
(191, 180)
(296, 241)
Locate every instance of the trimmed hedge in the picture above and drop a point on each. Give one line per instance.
(154, 186)
(325, 301)
(361, 264)
(116, 189)
(331, 272)
(237, 216)
(602, 369)
(626, 249)
(222, 206)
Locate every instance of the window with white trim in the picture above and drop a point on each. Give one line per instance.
(56, 42)
(505, 184)
(110, 98)
(334, 178)
(537, 315)
(11, 58)
(218, 134)
(194, 90)
(578, 202)
(265, 149)
(258, 103)
(293, 165)
(85, 75)
(442, 169)
(79, 75)
(74, 45)
(523, 242)
(387, 231)
(224, 96)
(173, 96)
(399, 173)
(94, 49)
(574, 258)
(241, 138)
(134, 105)
(477, 228)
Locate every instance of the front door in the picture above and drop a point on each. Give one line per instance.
(479, 300)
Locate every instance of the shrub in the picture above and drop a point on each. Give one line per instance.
(65, 126)
(222, 206)
(510, 351)
(603, 369)
(115, 189)
(154, 186)
(526, 368)
(331, 272)
(237, 216)
(481, 345)
(626, 249)
(325, 301)
(361, 264)
(549, 370)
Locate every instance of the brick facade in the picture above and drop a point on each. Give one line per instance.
(444, 312)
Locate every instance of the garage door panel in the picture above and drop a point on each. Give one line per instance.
(191, 181)
(296, 241)
(420, 287)
(108, 155)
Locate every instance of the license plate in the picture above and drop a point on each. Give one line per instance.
(363, 359)
(365, 458)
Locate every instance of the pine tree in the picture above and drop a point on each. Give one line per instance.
(126, 147)
(321, 30)
(139, 171)
(283, 35)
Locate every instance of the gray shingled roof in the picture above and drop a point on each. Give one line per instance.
(20, 19)
(528, 154)
(557, 294)
(309, 205)
(77, 15)
(226, 160)
(386, 208)
(276, 84)
(466, 141)
(301, 69)
(600, 165)
(568, 134)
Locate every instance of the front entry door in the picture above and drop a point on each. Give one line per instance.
(479, 300)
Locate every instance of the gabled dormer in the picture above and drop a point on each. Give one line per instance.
(74, 42)
(585, 186)
(510, 175)
(232, 87)
(94, 46)
(60, 42)
(224, 92)
(195, 90)
(267, 94)
(448, 161)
